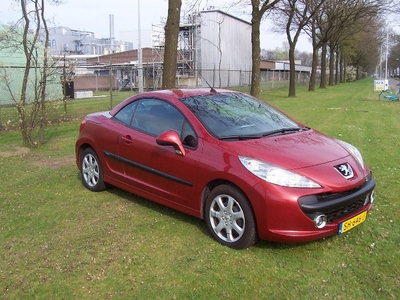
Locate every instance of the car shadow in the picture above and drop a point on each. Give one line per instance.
(285, 246)
(196, 222)
(201, 224)
(164, 210)
(159, 208)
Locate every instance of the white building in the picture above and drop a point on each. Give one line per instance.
(215, 48)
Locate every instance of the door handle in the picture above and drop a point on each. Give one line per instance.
(127, 139)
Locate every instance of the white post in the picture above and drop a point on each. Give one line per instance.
(387, 50)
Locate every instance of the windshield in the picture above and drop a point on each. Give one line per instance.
(238, 116)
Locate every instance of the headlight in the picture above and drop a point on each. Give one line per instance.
(276, 175)
(354, 151)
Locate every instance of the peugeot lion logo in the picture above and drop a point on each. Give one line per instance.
(345, 170)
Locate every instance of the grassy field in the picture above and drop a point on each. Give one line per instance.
(60, 241)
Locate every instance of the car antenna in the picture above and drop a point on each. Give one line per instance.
(212, 90)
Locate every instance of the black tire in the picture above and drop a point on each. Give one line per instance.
(91, 171)
(230, 217)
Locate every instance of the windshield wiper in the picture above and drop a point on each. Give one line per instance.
(258, 136)
(283, 131)
(240, 137)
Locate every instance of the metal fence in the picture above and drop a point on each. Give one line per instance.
(128, 79)
(57, 109)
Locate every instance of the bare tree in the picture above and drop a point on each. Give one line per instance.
(349, 20)
(394, 55)
(25, 36)
(362, 49)
(30, 50)
(331, 29)
(297, 14)
(171, 42)
(259, 8)
(339, 22)
(315, 47)
(43, 75)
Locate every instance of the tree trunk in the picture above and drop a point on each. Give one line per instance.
(341, 65)
(337, 72)
(311, 86)
(255, 55)
(43, 78)
(256, 15)
(314, 63)
(292, 72)
(171, 43)
(323, 67)
(357, 72)
(29, 46)
(331, 66)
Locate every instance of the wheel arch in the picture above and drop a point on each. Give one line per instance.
(213, 184)
(79, 151)
(242, 239)
(97, 173)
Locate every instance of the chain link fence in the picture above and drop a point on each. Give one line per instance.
(127, 78)
(107, 86)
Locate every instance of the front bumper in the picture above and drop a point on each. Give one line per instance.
(290, 217)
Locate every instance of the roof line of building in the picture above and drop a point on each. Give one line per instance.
(225, 13)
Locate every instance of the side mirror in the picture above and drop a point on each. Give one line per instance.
(171, 138)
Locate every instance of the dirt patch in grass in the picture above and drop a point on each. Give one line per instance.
(51, 162)
(39, 160)
(18, 151)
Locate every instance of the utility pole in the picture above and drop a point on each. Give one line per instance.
(65, 88)
(140, 63)
(111, 84)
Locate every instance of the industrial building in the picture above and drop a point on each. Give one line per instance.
(214, 48)
(67, 41)
(12, 72)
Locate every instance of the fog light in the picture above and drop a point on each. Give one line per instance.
(320, 221)
(372, 197)
(369, 198)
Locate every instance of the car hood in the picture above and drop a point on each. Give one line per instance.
(291, 151)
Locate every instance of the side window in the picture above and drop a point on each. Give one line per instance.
(124, 116)
(154, 116)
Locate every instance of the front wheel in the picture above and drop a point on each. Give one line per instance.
(230, 218)
(91, 171)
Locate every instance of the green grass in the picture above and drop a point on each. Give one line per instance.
(60, 241)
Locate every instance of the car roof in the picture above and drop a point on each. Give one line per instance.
(182, 93)
(171, 94)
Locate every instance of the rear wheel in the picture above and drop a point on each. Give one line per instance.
(91, 171)
(230, 217)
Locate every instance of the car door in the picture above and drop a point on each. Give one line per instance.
(155, 169)
(108, 136)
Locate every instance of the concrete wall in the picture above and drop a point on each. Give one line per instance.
(90, 82)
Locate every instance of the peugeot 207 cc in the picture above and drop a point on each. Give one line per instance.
(246, 168)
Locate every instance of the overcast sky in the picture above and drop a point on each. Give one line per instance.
(93, 16)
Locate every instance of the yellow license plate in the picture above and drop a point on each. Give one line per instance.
(353, 222)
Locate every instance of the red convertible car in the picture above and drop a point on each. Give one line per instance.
(245, 167)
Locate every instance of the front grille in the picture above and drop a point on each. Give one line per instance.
(337, 205)
(331, 196)
(344, 211)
